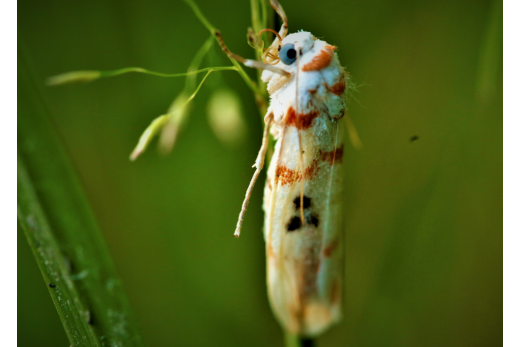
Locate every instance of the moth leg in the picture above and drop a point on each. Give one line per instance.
(259, 164)
(249, 62)
(352, 132)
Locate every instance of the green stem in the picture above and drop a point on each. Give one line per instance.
(141, 70)
(213, 32)
(195, 63)
(87, 76)
(200, 85)
(259, 20)
(292, 340)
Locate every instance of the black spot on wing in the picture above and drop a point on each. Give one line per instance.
(312, 220)
(306, 202)
(294, 224)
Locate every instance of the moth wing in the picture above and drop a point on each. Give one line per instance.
(304, 259)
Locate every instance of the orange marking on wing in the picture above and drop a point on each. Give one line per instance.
(334, 155)
(312, 170)
(339, 87)
(335, 292)
(309, 272)
(321, 60)
(290, 117)
(284, 175)
(301, 121)
(270, 252)
(331, 247)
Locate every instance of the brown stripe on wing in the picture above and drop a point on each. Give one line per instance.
(333, 156)
(285, 176)
(339, 87)
(301, 121)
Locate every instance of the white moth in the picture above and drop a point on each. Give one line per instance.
(302, 196)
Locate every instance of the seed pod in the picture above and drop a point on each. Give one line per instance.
(224, 112)
(73, 77)
(254, 40)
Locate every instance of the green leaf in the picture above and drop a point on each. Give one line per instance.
(63, 235)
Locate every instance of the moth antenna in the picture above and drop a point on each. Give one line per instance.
(249, 62)
(285, 28)
(300, 148)
(259, 164)
(273, 31)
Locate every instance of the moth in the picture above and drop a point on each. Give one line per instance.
(303, 191)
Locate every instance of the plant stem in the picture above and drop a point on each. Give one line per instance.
(259, 94)
(292, 340)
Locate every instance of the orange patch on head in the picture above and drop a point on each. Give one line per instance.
(339, 87)
(301, 121)
(321, 60)
(333, 156)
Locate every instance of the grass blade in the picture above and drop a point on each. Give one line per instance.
(62, 232)
(72, 312)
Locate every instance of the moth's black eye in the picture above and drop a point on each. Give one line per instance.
(287, 54)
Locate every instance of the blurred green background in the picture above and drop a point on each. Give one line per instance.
(423, 218)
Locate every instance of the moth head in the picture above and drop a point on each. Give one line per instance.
(298, 43)
(284, 50)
